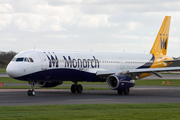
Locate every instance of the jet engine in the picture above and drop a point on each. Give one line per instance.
(48, 83)
(119, 82)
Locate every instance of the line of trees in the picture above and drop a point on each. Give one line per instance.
(5, 58)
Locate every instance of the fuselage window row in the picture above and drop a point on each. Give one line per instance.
(105, 61)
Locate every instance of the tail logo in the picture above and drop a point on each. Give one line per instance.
(163, 42)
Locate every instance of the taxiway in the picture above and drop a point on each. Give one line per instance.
(138, 94)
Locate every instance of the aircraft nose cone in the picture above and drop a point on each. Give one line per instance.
(11, 70)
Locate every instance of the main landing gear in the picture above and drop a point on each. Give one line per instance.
(76, 88)
(125, 92)
(32, 91)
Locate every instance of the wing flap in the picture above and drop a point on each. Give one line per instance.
(104, 73)
(133, 71)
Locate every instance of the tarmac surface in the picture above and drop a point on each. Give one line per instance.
(3, 75)
(138, 94)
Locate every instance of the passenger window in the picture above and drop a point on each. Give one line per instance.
(31, 60)
(19, 59)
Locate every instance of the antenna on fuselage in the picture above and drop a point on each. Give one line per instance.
(34, 48)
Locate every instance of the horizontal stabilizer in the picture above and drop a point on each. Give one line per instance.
(166, 61)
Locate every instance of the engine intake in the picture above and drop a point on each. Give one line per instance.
(119, 82)
(48, 84)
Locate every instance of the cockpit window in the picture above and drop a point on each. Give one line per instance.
(26, 60)
(31, 59)
(14, 59)
(23, 59)
(19, 59)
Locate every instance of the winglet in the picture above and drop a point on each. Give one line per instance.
(161, 42)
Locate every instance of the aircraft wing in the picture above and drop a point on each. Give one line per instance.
(166, 61)
(149, 70)
(135, 71)
(106, 73)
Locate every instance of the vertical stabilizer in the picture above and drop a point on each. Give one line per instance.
(161, 42)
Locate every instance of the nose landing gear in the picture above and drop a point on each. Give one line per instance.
(32, 91)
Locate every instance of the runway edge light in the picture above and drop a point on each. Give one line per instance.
(1, 84)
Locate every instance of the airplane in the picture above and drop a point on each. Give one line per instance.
(49, 68)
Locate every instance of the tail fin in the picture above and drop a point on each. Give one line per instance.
(161, 42)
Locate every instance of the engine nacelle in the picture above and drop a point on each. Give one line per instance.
(119, 82)
(48, 84)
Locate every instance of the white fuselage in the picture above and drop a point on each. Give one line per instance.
(73, 63)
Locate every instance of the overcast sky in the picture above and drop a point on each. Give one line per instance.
(98, 25)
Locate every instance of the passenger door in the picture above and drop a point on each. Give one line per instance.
(43, 61)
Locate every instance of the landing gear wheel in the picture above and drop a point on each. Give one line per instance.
(126, 92)
(120, 92)
(31, 93)
(73, 88)
(79, 88)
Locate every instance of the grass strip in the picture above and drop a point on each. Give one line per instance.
(10, 80)
(2, 70)
(169, 111)
(154, 82)
(58, 87)
(174, 73)
(158, 82)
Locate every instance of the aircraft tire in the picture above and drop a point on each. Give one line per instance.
(79, 88)
(29, 92)
(73, 88)
(120, 92)
(126, 91)
(33, 93)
